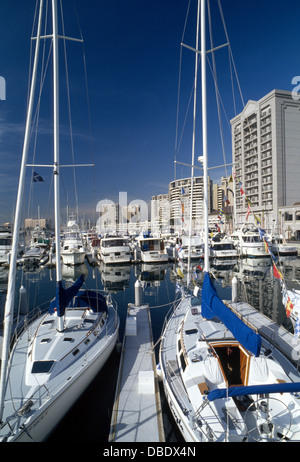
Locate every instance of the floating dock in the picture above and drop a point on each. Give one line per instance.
(137, 414)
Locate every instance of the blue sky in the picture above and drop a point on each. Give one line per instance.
(132, 52)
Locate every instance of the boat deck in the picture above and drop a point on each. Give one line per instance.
(269, 330)
(137, 415)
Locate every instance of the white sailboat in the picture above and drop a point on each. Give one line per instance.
(57, 355)
(222, 380)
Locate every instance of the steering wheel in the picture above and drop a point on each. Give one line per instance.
(269, 418)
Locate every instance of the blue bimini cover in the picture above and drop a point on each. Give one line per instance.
(212, 306)
(218, 393)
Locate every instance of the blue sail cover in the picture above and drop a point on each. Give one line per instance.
(212, 306)
(64, 296)
(218, 393)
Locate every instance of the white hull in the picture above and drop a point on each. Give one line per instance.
(4, 257)
(154, 257)
(72, 258)
(223, 250)
(115, 257)
(284, 250)
(151, 250)
(56, 408)
(60, 394)
(254, 250)
(114, 250)
(184, 255)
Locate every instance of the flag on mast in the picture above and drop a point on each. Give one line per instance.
(36, 178)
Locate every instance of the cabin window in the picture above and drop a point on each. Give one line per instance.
(191, 331)
(179, 345)
(68, 339)
(182, 362)
(42, 367)
(75, 352)
(46, 340)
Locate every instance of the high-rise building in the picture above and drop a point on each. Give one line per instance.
(180, 201)
(160, 213)
(266, 148)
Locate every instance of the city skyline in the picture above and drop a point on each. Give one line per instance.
(132, 54)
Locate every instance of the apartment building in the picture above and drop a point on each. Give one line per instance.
(180, 202)
(160, 213)
(266, 148)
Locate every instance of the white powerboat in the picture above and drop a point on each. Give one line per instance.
(190, 247)
(114, 249)
(57, 353)
(223, 249)
(5, 246)
(151, 249)
(248, 242)
(280, 247)
(73, 248)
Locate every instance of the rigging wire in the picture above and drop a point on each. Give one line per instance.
(230, 52)
(92, 147)
(216, 88)
(69, 110)
(179, 86)
(212, 67)
(37, 112)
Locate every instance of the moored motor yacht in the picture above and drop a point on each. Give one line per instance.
(223, 249)
(151, 249)
(114, 249)
(5, 245)
(248, 242)
(190, 247)
(73, 250)
(280, 247)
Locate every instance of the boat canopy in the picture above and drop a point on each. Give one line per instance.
(212, 306)
(291, 387)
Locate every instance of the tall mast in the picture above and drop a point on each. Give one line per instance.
(204, 136)
(9, 304)
(56, 151)
(194, 136)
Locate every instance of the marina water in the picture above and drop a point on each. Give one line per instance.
(89, 419)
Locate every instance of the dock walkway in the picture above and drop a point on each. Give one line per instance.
(137, 415)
